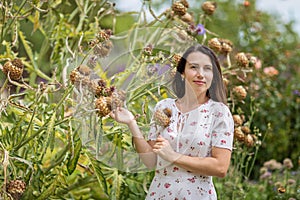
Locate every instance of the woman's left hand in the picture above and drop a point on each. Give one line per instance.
(163, 148)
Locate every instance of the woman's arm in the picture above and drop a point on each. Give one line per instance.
(216, 165)
(143, 147)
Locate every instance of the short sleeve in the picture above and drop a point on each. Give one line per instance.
(222, 127)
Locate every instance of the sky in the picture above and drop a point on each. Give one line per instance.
(287, 10)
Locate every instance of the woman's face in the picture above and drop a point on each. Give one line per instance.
(198, 73)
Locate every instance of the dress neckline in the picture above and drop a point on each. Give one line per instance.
(184, 113)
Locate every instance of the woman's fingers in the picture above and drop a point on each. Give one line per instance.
(159, 145)
(114, 113)
(160, 139)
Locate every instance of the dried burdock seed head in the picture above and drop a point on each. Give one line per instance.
(169, 13)
(220, 45)
(226, 46)
(80, 75)
(162, 117)
(246, 129)
(249, 141)
(101, 83)
(242, 60)
(103, 49)
(14, 68)
(103, 106)
(182, 35)
(16, 188)
(185, 3)
(109, 32)
(187, 17)
(252, 59)
(209, 7)
(238, 121)
(97, 87)
(175, 58)
(215, 44)
(92, 61)
(168, 112)
(103, 35)
(84, 70)
(238, 134)
(112, 89)
(93, 43)
(74, 76)
(106, 92)
(239, 92)
(178, 8)
(226, 82)
(118, 98)
(148, 49)
(100, 89)
(17, 63)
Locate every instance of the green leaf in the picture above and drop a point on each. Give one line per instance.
(116, 187)
(98, 171)
(50, 133)
(58, 158)
(31, 57)
(73, 159)
(48, 192)
(51, 130)
(36, 21)
(26, 45)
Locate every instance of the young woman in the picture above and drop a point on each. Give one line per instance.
(197, 143)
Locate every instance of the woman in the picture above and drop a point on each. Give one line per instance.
(197, 143)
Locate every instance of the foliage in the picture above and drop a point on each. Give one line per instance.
(53, 138)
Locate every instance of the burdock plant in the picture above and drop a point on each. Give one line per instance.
(57, 139)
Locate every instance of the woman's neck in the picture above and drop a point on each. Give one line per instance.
(187, 103)
(193, 100)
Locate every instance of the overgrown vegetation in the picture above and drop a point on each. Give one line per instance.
(66, 64)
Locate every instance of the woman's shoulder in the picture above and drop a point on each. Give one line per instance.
(165, 102)
(218, 106)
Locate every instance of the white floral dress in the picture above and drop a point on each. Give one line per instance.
(194, 134)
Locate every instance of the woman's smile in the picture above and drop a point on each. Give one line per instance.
(200, 83)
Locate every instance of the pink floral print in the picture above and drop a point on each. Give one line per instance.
(194, 134)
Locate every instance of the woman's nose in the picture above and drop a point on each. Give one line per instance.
(200, 73)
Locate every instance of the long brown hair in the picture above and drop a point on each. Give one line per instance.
(217, 89)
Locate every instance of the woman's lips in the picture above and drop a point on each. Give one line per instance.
(199, 82)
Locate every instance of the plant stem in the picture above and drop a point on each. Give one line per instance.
(3, 86)
(8, 27)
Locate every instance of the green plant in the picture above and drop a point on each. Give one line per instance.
(55, 143)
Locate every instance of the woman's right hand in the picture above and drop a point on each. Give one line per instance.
(122, 115)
